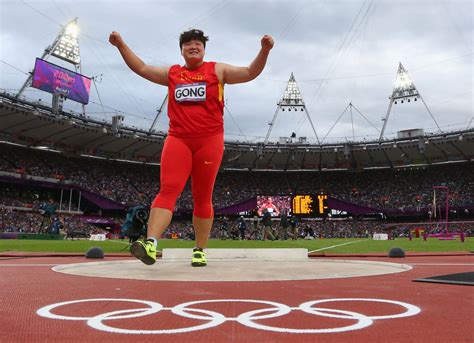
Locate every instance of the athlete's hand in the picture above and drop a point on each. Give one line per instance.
(267, 43)
(116, 39)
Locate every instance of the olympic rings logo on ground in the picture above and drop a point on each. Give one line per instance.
(214, 319)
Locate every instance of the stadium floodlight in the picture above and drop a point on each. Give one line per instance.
(292, 97)
(68, 46)
(404, 90)
(65, 47)
(291, 100)
(72, 29)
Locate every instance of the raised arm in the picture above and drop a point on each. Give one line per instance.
(231, 74)
(154, 74)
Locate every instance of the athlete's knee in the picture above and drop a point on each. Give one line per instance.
(203, 210)
(166, 198)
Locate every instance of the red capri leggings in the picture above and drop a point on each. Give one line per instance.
(199, 158)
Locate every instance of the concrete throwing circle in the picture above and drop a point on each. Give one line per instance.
(234, 270)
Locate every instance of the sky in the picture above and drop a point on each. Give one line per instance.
(341, 52)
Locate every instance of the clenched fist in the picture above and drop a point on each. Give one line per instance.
(116, 39)
(267, 43)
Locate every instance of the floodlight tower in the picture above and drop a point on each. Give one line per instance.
(66, 48)
(158, 112)
(404, 90)
(291, 100)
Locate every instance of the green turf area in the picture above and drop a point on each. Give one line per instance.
(359, 246)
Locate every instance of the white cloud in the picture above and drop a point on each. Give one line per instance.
(432, 39)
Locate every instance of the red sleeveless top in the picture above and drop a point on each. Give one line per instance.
(196, 101)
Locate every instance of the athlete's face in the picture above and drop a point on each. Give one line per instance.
(193, 51)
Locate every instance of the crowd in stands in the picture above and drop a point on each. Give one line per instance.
(32, 199)
(228, 228)
(34, 222)
(16, 221)
(131, 183)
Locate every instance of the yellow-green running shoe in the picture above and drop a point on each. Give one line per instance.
(144, 251)
(199, 258)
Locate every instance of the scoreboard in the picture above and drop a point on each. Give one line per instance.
(313, 205)
(54, 79)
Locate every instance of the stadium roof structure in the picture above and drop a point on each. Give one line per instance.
(33, 124)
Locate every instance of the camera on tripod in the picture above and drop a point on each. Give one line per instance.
(135, 224)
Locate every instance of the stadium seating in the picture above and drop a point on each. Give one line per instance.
(128, 183)
(405, 190)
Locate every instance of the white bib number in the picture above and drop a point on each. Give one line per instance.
(190, 92)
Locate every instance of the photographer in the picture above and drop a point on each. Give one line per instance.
(56, 227)
(294, 228)
(267, 225)
(255, 231)
(309, 232)
(224, 229)
(47, 210)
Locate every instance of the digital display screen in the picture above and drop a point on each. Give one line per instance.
(274, 204)
(310, 205)
(54, 79)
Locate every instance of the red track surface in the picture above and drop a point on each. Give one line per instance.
(28, 284)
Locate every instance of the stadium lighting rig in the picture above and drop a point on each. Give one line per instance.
(65, 47)
(291, 100)
(404, 90)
